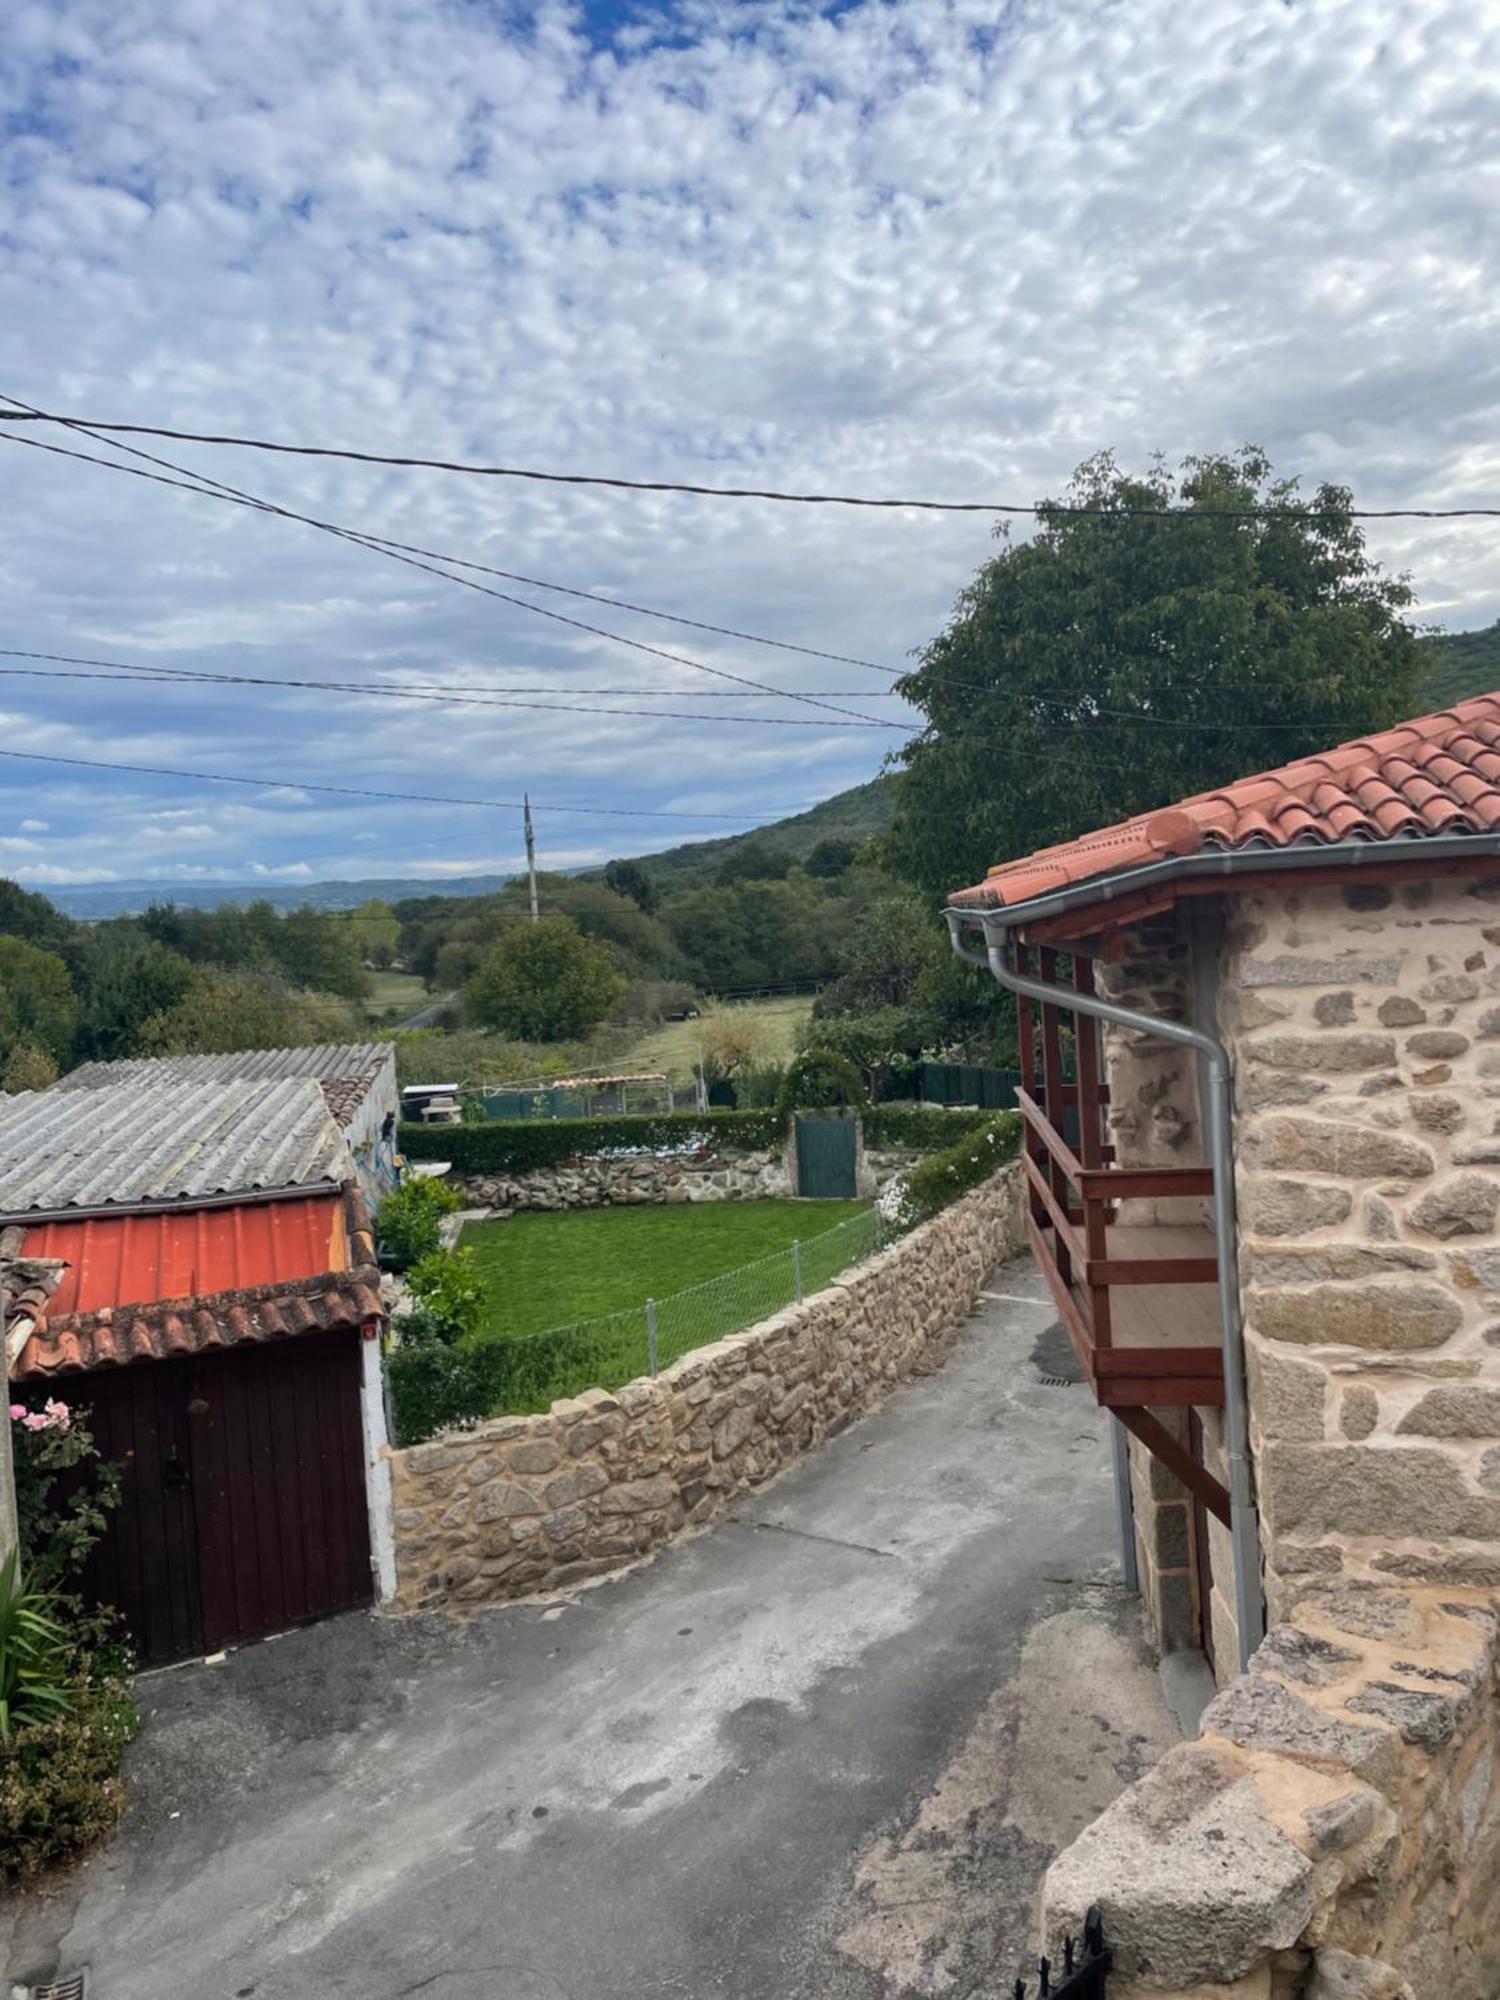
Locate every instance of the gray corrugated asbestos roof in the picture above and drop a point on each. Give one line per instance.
(163, 1140)
(325, 1061)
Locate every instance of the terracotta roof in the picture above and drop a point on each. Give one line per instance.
(28, 1285)
(163, 1328)
(1438, 774)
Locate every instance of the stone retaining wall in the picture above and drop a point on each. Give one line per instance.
(1335, 1830)
(541, 1502)
(603, 1182)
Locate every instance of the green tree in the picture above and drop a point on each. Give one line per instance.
(629, 878)
(24, 914)
(831, 858)
(754, 861)
(1118, 661)
(317, 949)
(26, 1067)
(37, 1001)
(225, 1012)
(128, 977)
(375, 931)
(544, 982)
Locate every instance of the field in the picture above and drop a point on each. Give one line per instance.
(546, 1273)
(674, 1048)
(389, 990)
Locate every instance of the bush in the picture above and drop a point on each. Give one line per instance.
(60, 1783)
(818, 1078)
(920, 1128)
(505, 1148)
(945, 1176)
(410, 1220)
(63, 1490)
(435, 1387)
(449, 1294)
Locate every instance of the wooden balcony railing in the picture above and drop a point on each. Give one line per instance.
(1140, 1302)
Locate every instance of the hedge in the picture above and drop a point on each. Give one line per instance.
(503, 1148)
(944, 1176)
(919, 1128)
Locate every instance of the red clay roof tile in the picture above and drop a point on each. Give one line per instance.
(1436, 774)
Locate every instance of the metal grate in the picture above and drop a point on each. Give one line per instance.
(1085, 1967)
(1057, 1382)
(71, 1988)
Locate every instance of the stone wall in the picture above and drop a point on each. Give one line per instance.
(541, 1502)
(1335, 1830)
(1364, 1024)
(603, 1182)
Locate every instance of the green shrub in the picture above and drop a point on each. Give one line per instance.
(920, 1128)
(505, 1148)
(410, 1221)
(60, 1783)
(64, 1490)
(435, 1387)
(946, 1175)
(34, 1685)
(450, 1297)
(819, 1078)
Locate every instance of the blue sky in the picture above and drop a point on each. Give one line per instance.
(931, 247)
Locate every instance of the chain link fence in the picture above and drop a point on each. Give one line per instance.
(528, 1370)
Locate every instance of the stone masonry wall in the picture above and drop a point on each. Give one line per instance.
(1364, 1024)
(522, 1504)
(603, 1182)
(1334, 1832)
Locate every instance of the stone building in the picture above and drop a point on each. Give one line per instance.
(1263, 1160)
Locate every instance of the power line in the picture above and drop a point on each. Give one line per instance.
(754, 492)
(124, 675)
(285, 784)
(217, 489)
(432, 687)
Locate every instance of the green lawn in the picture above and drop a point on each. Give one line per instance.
(547, 1272)
(396, 989)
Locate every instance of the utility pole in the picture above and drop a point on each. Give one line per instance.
(530, 854)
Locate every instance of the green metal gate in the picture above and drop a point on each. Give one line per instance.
(826, 1151)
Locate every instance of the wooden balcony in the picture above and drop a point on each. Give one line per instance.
(1139, 1301)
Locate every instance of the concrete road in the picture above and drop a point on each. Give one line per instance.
(822, 1752)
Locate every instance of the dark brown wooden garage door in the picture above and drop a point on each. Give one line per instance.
(243, 1509)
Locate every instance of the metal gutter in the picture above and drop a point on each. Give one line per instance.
(1243, 1525)
(1234, 861)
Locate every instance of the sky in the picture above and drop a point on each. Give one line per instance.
(932, 248)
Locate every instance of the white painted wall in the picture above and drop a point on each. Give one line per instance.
(377, 1470)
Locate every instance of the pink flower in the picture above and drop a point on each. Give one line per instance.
(17, 1413)
(38, 1420)
(58, 1414)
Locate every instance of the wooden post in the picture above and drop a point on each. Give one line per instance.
(530, 853)
(10, 1529)
(1091, 1148)
(1054, 1099)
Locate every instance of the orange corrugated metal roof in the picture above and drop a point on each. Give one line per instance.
(1437, 774)
(150, 1287)
(124, 1260)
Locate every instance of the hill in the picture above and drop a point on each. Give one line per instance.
(853, 816)
(1460, 664)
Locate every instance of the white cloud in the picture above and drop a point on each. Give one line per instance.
(928, 248)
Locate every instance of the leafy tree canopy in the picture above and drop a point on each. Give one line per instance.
(629, 878)
(754, 862)
(38, 1005)
(1116, 662)
(544, 982)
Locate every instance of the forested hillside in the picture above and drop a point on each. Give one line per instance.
(1458, 664)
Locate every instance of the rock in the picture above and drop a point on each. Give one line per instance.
(1399, 1012)
(1257, 1713)
(1343, 1822)
(1472, 1569)
(1351, 1489)
(1302, 1656)
(1382, 1085)
(1324, 1145)
(1290, 1208)
(1439, 1114)
(1328, 1054)
(1379, 1219)
(1489, 1021)
(1339, 1975)
(576, 1484)
(1479, 1153)
(1359, 1412)
(501, 1498)
(732, 1431)
(1438, 1073)
(1286, 1394)
(638, 1496)
(1159, 1862)
(1425, 1717)
(1298, 1263)
(1437, 1044)
(1489, 1470)
(1265, 1090)
(1334, 1010)
(1291, 971)
(1391, 1314)
(534, 1455)
(1462, 1206)
(1453, 987)
(1363, 1611)
(1457, 1410)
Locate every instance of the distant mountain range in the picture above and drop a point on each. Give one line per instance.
(1459, 664)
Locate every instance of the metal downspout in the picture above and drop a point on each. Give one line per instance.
(1243, 1525)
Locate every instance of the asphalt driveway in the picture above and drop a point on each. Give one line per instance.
(821, 1752)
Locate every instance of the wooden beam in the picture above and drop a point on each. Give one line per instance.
(1160, 1442)
(1153, 1271)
